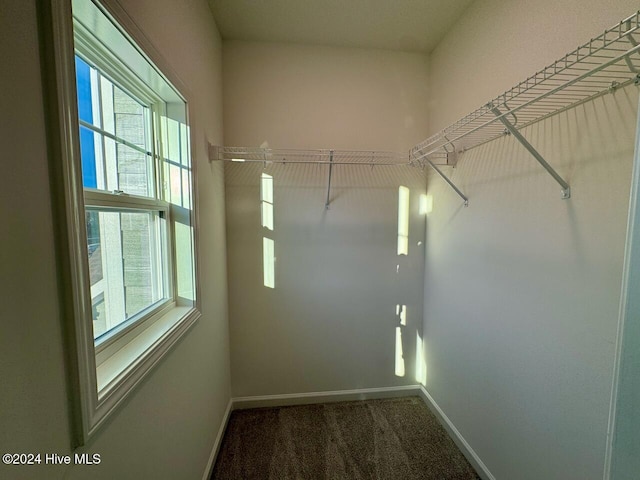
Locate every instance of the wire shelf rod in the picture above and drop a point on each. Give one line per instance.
(315, 162)
(317, 157)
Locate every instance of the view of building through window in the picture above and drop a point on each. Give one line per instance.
(125, 246)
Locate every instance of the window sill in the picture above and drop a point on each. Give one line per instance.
(118, 374)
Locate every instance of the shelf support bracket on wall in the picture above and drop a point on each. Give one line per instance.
(214, 152)
(449, 182)
(566, 189)
(634, 43)
(326, 205)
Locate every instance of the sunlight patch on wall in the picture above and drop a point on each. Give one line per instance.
(421, 362)
(401, 312)
(268, 252)
(399, 353)
(426, 204)
(267, 215)
(266, 198)
(268, 245)
(403, 221)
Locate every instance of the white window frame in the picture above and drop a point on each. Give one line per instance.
(123, 361)
(97, 56)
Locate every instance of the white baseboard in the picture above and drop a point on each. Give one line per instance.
(456, 436)
(240, 403)
(218, 441)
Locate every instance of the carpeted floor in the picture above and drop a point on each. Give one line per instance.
(395, 439)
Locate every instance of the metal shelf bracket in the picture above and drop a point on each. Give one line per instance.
(326, 205)
(633, 43)
(565, 193)
(449, 182)
(214, 152)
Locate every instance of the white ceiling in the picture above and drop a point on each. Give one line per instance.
(406, 25)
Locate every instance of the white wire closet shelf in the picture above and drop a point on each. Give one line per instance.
(268, 156)
(299, 156)
(602, 65)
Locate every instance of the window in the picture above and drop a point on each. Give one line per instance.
(127, 187)
(127, 227)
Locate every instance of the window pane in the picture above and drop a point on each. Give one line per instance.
(94, 173)
(186, 188)
(175, 184)
(133, 169)
(85, 87)
(129, 118)
(94, 248)
(114, 166)
(115, 135)
(126, 272)
(175, 155)
(85, 112)
(106, 106)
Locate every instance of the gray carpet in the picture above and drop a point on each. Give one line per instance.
(395, 439)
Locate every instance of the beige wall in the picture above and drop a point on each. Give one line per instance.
(522, 289)
(33, 403)
(166, 428)
(330, 322)
(297, 96)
